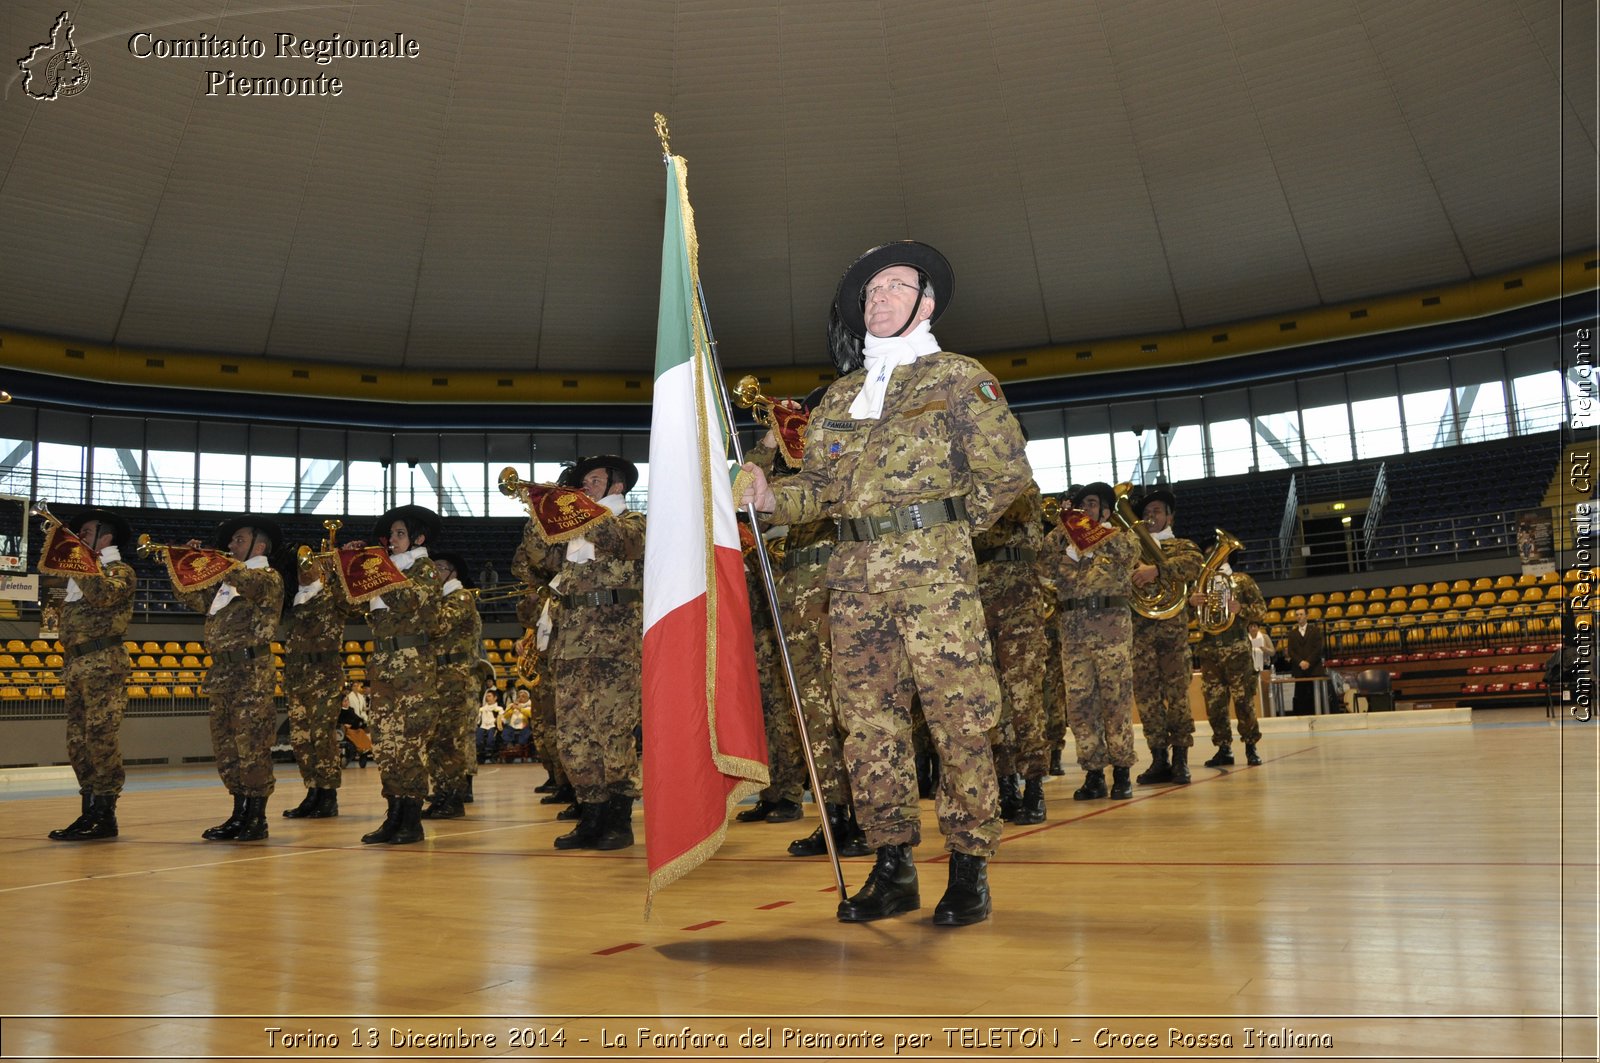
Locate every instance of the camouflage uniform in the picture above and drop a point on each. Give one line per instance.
(1227, 669)
(596, 650)
(1014, 607)
(904, 611)
(1161, 682)
(544, 691)
(1096, 643)
(803, 605)
(244, 721)
(404, 705)
(96, 677)
(313, 677)
(1055, 695)
(457, 638)
(785, 760)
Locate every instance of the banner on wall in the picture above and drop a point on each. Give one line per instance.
(1536, 542)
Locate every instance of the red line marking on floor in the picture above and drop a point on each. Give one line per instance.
(707, 923)
(613, 950)
(769, 907)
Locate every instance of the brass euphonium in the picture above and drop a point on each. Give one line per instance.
(528, 658)
(1212, 615)
(1163, 597)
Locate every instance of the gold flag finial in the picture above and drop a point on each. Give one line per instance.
(661, 131)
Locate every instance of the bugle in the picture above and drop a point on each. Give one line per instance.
(502, 593)
(41, 508)
(306, 557)
(747, 394)
(147, 549)
(512, 485)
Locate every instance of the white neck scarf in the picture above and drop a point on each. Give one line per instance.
(884, 354)
(108, 555)
(407, 558)
(227, 592)
(450, 587)
(308, 592)
(1163, 534)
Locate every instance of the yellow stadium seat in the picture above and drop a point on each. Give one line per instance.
(31, 660)
(15, 646)
(8, 661)
(189, 660)
(508, 644)
(1502, 582)
(152, 648)
(58, 692)
(1377, 593)
(35, 692)
(1482, 583)
(1317, 599)
(1377, 608)
(160, 692)
(141, 677)
(1336, 598)
(131, 648)
(353, 659)
(1333, 612)
(1313, 612)
(1419, 590)
(1296, 601)
(167, 660)
(1484, 598)
(368, 646)
(1508, 596)
(1546, 578)
(182, 692)
(1440, 602)
(1355, 608)
(172, 647)
(54, 660)
(352, 647)
(138, 692)
(206, 660)
(1272, 617)
(1533, 593)
(193, 648)
(277, 649)
(10, 693)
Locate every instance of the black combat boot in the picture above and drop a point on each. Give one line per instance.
(1093, 788)
(784, 810)
(549, 786)
(101, 822)
(616, 826)
(253, 824)
(306, 807)
(1180, 764)
(591, 823)
(1010, 797)
(442, 805)
(927, 775)
(1251, 757)
(891, 888)
(855, 839)
(466, 795)
(561, 795)
(1121, 784)
(390, 824)
(966, 899)
(814, 844)
(1032, 810)
(1159, 770)
(228, 829)
(65, 834)
(409, 829)
(1055, 762)
(756, 813)
(327, 805)
(571, 812)
(1222, 758)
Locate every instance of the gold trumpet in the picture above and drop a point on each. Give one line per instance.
(41, 508)
(512, 485)
(504, 592)
(747, 394)
(147, 549)
(306, 556)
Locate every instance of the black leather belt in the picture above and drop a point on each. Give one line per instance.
(1098, 601)
(458, 657)
(619, 597)
(1008, 553)
(320, 657)
(811, 555)
(402, 642)
(907, 518)
(92, 646)
(249, 653)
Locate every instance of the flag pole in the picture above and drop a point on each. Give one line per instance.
(764, 563)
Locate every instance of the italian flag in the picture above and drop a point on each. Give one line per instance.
(705, 747)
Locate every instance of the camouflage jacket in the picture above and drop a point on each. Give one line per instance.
(316, 626)
(945, 432)
(611, 630)
(105, 608)
(1105, 570)
(412, 609)
(799, 536)
(460, 627)
(250, 619)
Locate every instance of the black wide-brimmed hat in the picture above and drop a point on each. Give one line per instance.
(927, 261)
(630, 471)
(1101, 490)
(457, 562)
(1159, 494)
(258, 522)
(122, 531)
(419, 519)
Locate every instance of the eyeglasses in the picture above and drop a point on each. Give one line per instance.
(893, 288)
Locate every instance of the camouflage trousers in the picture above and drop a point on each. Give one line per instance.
(1020, 652)
(403, 706)
(1055, 696)
(1228, 671)
(1161, 683)
(1097, 671)
(544, 724)
(244, 723)
(804, 597)
(597, 709)
(452, 746)
(97, 696)
(315, 693)
(785, 759)
(928, 640)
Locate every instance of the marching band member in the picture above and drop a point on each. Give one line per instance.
(458, 637)
(313, 679)
(1161, 646)
(241, 611)
(94, 619)
(1227, 667)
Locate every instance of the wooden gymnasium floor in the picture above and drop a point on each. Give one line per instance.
(1407, 893)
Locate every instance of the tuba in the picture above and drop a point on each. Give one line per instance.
(1165, 597)
(1211, 616)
